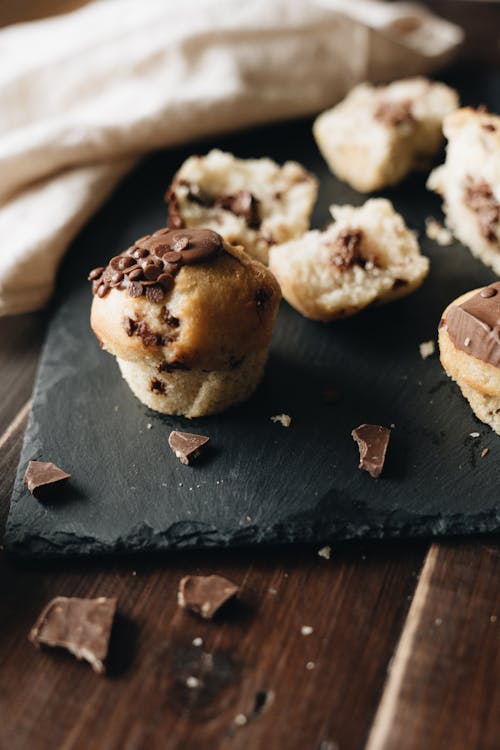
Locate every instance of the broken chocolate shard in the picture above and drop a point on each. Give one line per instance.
(44, 479)
(372, 440)
(474, 325)
(187, 446)
(81, 626)
(205, 595)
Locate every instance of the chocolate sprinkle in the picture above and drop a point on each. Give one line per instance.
(372, 440)
(187, 446)
(81, 626)
(44, 479)
(205, 595)
(159, 258)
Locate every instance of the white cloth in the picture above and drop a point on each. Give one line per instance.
(84, 94)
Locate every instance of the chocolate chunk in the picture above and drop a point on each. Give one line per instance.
(157, 386)
(82, 626)
(346, 249)
(44, 479)
(171, 320)
(372, 440)
(205, 595)
(474, 326)
(479, 197)
(187, 446)
(242, 203)
(394, 112)
(130, 326)
(172, 366)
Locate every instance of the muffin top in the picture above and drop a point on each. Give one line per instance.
(184, 297)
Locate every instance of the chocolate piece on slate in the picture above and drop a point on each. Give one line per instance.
(44, 479)
(82, 626)
(187, 446)
(205, 595)
(372, 440)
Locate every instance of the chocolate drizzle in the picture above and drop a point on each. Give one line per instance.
(149, 267)
(474, 326)
(479, 197)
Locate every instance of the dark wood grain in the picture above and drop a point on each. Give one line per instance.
(443, 688)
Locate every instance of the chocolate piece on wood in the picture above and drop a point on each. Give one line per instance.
(205, 595)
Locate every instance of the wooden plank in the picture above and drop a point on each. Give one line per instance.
(21, 338)
(442, 690)
(294, 690)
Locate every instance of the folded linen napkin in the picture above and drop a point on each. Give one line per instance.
(83, 95)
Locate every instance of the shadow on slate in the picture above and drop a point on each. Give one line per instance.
(264, 484)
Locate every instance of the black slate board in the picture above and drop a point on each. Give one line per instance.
(262, 483)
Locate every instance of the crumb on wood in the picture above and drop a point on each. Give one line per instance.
(427, 349)
(306, 630)
(192, 682)
(197, 642)
(284, 419)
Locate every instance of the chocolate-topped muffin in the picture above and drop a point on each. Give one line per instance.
(188, 317)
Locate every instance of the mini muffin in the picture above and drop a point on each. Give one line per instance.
(378, 134)
(189, 319)
(469, 344)
(469, 182)
(251, 202)
(367, 256)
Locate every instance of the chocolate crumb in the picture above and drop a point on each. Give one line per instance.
(44, 479)
(81, 626)
(372, 440)
(205, 595)
(187, 446)
(346, 249)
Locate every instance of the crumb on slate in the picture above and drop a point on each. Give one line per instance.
(427, 349)
(284, 419)
(436, 231)
(474, 434)
(325, 552)
(485, 452)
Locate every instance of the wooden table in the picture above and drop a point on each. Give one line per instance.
(403, 654)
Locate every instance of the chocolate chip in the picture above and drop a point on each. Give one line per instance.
(135, 273)
(157, 386)
(125, 262)
(205, 595)
(166, 280)
(135, 289)
(96, 273)
(171, 320)
(116, 278)
(151, 271)
(242, 203)
(488, 291)
(172, 366)
(181, 243)
(114, 262)
(130, 326)
(102, 290)
(140, 252)
(346, 249)
(175, 256)
(44, 479)
(155, 293)
(81, 626)
(160, 250)
(187, 446)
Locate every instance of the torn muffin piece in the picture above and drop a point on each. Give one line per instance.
(378, 134)
(251, 202)
(469, 182)
(367, 256)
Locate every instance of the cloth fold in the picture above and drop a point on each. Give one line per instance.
(85, 94)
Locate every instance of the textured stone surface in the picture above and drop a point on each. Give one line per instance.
(261, 484)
